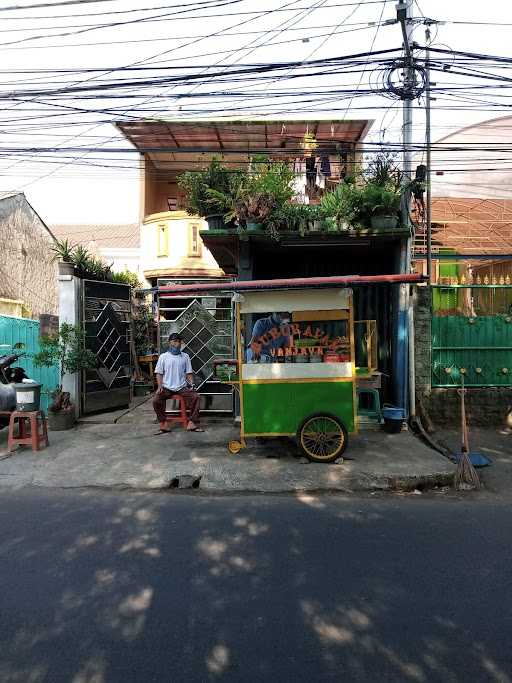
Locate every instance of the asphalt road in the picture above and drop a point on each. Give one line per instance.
(101, 588)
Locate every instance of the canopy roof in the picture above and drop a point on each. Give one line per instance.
(184, 142)
(295, 300)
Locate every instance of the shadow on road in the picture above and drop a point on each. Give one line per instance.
(100, 588)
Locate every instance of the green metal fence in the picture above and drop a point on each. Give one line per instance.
(14, 330)
(472, 330)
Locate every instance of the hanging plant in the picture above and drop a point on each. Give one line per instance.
(309, 144)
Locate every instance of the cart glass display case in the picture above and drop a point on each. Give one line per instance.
(296, 368)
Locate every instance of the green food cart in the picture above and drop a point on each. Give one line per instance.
(295, 368)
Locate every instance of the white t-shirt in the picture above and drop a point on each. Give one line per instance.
(174, 368)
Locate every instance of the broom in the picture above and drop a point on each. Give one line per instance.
(466, 477)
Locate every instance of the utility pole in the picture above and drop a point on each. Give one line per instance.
(404, 349)
(404, 17)
(429, 157)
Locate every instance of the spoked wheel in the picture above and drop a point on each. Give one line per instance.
(322, 437)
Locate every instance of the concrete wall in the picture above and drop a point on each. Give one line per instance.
(485, 406)
(69, 312)
(28, 271)
(178, 259)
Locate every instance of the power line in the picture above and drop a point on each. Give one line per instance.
(180, 47)
(51, 4)
(195, 41)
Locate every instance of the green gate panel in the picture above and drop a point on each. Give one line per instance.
(280, 407)
(481, 344)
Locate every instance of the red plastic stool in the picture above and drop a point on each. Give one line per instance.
(32, 430)
(182, 417)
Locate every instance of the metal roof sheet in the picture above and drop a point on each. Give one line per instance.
(124, 235)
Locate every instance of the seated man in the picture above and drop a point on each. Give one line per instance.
(174, 375)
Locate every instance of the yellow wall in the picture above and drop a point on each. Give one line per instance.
(15, 308)
(166, 247)
(158, 188)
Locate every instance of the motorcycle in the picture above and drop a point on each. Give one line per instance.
(9, 376)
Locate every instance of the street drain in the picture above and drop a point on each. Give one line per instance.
(185, 481)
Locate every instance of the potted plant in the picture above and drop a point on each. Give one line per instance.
(95, 269)
(63, 250)
(382, 191)
(126, 277)
(314, 217)
(266, 189)
(341, 207)
(300, 218)
(81, 259)
(67, 350)
(143, 321)
(254, 210)
(209, 193)
(382, 204)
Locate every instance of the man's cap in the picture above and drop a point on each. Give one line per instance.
(175, 336)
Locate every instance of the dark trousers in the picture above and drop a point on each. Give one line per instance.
(192, 400)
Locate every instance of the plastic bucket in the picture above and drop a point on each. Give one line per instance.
(393, 419)
(392, 413)
(28, 396)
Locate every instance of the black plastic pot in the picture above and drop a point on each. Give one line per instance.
(59, 422)
(384, 222)
(66, 268)
(215, 222)
(392, 426)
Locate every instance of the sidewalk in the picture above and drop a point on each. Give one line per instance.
(495, 444)
(126, 454)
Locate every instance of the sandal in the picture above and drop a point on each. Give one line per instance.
(195, 429)
(162, 431)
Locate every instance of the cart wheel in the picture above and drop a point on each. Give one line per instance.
(322, 437)
(234, 447)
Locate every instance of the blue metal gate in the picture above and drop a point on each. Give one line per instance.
(14, 330)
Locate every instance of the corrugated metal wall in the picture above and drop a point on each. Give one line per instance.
(372, 302)
(14, 330)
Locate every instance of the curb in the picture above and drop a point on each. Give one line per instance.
(354, 485)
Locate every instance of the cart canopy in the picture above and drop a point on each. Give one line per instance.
(295, 300)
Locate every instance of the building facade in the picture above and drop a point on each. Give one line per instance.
(318, 150)
(28, 271)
